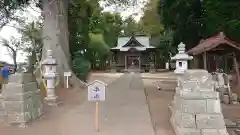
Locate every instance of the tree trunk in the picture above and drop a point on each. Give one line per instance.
(55, 36)
(15, 60)
(32, 61)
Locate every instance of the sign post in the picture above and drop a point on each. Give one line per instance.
(97, 117)
(67, 75)
(96, 93)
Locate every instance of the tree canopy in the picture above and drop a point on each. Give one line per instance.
(92, 32)
(192, 20)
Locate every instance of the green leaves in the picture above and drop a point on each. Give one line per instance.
(112, 26)
(81, 68)
(221, 15)
(130, 27)
(193, 20)
(150, 22)
(98, 45)
(32, 37)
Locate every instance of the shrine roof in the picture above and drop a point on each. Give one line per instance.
(211, 43)
(142, 41)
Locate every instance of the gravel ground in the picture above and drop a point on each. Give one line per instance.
(50, 123)
(158, 102)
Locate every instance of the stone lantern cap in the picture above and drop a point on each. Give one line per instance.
(181, 55)
(49, 60)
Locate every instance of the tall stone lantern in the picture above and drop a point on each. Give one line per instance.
(50, 75)
(181, 59)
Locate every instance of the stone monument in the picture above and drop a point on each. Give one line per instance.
(196, 109)
(181, 59)
(22, 99)
(50, 75)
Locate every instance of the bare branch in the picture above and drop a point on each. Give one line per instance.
(6, 44)
(10, 52)
(34, 9)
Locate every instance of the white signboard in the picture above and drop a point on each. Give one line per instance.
(96, 91)
(67, 73)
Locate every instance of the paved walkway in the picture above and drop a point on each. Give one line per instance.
(125, 111)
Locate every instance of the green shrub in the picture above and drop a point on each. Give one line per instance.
(81, 67)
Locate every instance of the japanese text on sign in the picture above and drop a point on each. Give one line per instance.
(96, 91)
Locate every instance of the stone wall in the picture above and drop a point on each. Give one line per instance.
(22, 99)
(196, 109)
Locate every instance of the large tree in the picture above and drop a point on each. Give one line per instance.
(130, 27)
(55, 28)
(112, 27)
(222, 15)
(151, 21)
(185, 18)
(32, 38)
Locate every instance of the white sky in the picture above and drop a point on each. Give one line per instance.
(32, 14)
(135, 11)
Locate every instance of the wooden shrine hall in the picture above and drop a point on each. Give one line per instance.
(133, 53)
(217, 52)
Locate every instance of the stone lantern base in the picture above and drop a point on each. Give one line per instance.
(179, 71)
(196, 108)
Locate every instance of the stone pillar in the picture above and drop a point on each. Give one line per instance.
(113, 66)
(113, 63)
(205, 60)
(196, 108)
(167, 65)
(125, 62)
(139, 62)
(50, 75)
(21, 99)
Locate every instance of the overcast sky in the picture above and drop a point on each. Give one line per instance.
(32, 13)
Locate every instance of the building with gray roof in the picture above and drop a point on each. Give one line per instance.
(133, 52)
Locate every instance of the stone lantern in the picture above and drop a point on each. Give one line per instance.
(50, 75)
(181, 59)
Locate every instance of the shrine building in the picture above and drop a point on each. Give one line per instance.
(133, 53)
